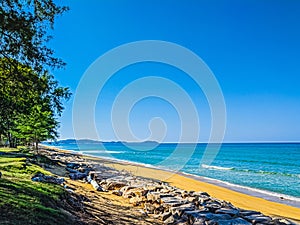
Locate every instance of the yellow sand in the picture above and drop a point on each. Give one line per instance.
(238, 199)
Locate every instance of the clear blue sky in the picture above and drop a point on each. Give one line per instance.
(252, 47)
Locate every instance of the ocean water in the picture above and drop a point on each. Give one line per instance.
(272, 168)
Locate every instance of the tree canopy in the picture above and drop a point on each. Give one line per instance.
(25, 26)
(30, 97)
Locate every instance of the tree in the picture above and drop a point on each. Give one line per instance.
(29, 104)
(30, 97)
(17, 93)
(35, 127)
(24, 31)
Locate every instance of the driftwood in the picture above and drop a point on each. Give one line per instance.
(96, 186)
(94, 183)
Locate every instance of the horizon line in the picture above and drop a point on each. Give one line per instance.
(170, 142)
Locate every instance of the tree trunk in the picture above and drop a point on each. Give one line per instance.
(10, 141)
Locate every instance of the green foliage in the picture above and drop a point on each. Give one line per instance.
(36, 126)
(23, 149)
(25, 29)
(29, 104)
(30, 97)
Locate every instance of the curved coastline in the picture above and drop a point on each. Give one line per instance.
(260, 193)
(274, 204)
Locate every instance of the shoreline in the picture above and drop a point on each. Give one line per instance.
(247, 199)
(255, 192)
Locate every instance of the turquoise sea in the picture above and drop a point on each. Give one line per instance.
(270, 169)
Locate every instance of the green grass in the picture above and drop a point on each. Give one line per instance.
(23, 201)
(9, 150)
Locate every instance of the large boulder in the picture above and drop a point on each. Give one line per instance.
(40, 177)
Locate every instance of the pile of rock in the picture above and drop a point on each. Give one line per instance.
(176, 206)
(62, 157)
(78, 171)
(158, 199)
(173, 205)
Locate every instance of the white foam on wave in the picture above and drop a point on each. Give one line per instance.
(101, 151)
(216, 167)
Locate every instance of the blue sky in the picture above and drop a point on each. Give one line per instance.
(252, 47)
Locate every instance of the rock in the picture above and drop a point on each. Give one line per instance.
(117, 192)
(71, 170)
(171, 220)
(158, 210)
(77, 176)
(40, 177)
(231, 212)
(212, 206)
(181, 209)
(203, 199)
(184, 194)
(156, 196)
(115, 185)
(204, 194)
(192, 199)
(249, 212)
(84, 169)
(207, 216)
(171, 199)
(236, 221)
(165, 216)
(130, 191)
(198, 221)
(137, 200)
(127, 188)
(283, 222)
(139, 191)
(143, 212)
(174, 203)
(193, 215)
(73, 165)
(179, 222)
(153, 196)
(149, 208)
(152, 188)
(258, 219)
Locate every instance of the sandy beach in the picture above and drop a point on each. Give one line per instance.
(190, 183)
(187, 183)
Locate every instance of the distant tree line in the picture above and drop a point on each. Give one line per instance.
(31, 99)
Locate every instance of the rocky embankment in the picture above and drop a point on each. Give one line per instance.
(158, 199)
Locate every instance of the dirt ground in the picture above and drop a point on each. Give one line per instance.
(102, 207)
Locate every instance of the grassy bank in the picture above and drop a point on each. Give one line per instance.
(23, 201)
